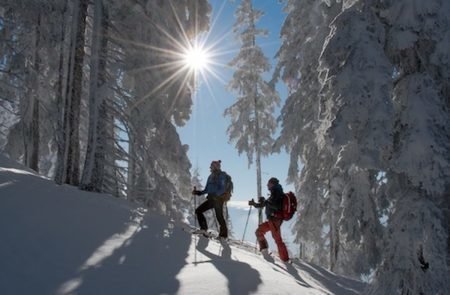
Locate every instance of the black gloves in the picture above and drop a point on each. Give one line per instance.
(197, 193)
(261, 203)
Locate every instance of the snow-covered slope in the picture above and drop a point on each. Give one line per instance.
(60, 240)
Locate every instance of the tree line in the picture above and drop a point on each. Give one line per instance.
(366, 124)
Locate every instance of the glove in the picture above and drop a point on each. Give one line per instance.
(251, 202)
(197, 192)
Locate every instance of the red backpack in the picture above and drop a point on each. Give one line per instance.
(289, 206)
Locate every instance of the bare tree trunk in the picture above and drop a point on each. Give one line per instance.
(60, 131)
(35, 135)
(94, 167)
(258, 156)
(104, 168)
(73, 151)
(32, 135)
(131, 176)
(257, 141)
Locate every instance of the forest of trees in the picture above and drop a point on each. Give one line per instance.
(368, 115)
(90, 96)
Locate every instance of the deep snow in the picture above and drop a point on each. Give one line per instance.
(61, 240)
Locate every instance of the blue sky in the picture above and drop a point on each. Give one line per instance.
(205, 133)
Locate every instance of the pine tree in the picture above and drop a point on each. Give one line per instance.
(357, 116)
(416, 257)
(60, 134)
(303, 35)
(73, 100)
(98, 81)
(156, 98)
(28, 40)
(252, 122)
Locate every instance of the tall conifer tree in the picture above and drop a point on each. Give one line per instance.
(252, 121)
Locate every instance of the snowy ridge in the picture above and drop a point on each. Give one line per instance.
(60, 240)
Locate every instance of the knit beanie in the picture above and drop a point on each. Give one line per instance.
(274, 180)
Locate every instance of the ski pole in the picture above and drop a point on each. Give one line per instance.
(246, 223)
(227, 218)
(195, 223)
(195, 206)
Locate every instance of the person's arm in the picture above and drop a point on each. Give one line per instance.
(207, 186)
(204, 191)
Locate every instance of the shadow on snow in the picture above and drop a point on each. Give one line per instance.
(233, 270)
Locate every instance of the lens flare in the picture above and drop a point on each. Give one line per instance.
(196, 58)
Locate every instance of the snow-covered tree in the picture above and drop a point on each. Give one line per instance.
(252, 123)
(356, 122)
(416, 258)
(303, 35)
(73, 100)
(100, 110)
(97, 148)
(156, 98)
(29, 41)
(378, 64)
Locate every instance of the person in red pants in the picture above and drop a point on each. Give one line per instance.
(273, 224)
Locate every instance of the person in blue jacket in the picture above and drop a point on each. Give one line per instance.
(215, 188)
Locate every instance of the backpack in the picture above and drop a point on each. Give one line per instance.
(289, 206)
(228, 187)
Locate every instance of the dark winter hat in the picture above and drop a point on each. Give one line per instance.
(274, 180)
(216, 164)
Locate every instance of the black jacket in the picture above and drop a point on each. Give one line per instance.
(275, 202)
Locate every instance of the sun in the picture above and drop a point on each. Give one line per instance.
(196, 58)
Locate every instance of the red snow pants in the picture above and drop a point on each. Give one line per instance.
(274, 226)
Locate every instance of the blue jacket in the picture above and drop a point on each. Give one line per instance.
(215, 185)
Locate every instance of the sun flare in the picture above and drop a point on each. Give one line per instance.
(196, 58)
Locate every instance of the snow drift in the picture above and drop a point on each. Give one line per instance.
(60, 240)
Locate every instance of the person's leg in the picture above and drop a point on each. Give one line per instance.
(218, 207)
(260, 232)
(275, 228)
(206, 205)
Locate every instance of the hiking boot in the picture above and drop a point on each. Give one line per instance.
(264, 251)
(266, 255)
(222, 239)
